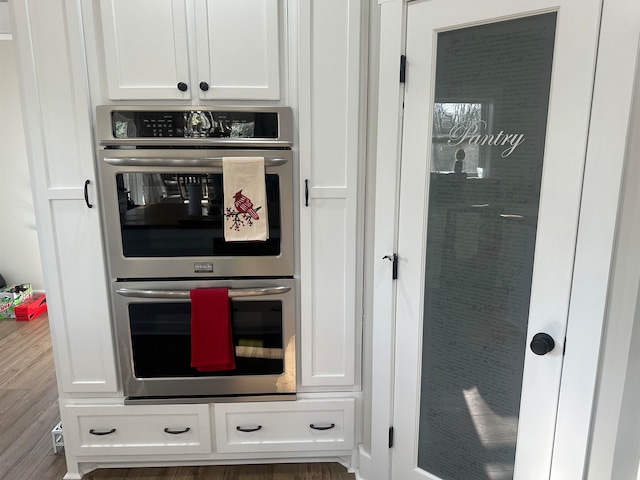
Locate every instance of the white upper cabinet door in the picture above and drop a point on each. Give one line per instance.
(237, 48)
(146, 49)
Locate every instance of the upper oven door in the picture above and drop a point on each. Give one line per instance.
(164, 218)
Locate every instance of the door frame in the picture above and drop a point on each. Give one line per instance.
(609, 125)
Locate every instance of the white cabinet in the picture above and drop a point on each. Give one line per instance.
(146, 50)
(136, 430)
(237, 48)
(301, 426)
(58, 134)
(191, 49)
(331, 56)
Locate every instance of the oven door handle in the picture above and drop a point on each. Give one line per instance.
(180, 294)
(215, 162)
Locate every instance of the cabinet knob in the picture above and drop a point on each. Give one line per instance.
(204, 86)
(542, 343)
(182, 86)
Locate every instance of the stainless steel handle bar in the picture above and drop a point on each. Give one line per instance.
(184, 294)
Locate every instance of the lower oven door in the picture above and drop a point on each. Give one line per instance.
(153, 325)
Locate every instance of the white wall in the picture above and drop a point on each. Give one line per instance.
(5, 27)
(19, 251)
(615, 448)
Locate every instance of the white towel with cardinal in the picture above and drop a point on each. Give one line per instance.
(245, 199)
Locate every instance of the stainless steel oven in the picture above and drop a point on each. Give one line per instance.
(153, 327)
(162, 197)
(165, 214)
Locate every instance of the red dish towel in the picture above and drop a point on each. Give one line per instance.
(211, 336)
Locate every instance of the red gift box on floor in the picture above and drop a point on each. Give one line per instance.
(31, 308)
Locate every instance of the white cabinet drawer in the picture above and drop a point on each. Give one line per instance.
(137, 430)
(303, 425)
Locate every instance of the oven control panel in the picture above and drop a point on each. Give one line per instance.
(131, 124)
(169, 126)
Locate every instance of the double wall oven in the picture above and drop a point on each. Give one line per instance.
(163, 208)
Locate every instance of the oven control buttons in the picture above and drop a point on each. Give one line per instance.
(203, 267)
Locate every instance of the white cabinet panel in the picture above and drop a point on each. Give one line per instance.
(60, 127)
(145, 47)
(237, 47)
(309, 426)
(331, 100)
(327, 343)
(333, 69)
(58, 134)
(84, 341)
(137, 430)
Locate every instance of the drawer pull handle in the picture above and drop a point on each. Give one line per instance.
(244, 429)
(326, 427)
(102, 432)
(176, 432)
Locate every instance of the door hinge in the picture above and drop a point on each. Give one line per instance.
(394, 261)
(403, 68)
(390, 437)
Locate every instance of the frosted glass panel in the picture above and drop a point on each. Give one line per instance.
(489, 125)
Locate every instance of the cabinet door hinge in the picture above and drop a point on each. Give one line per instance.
(390, 437)
(403, 68)
(394, 261)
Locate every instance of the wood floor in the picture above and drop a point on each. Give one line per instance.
(29, 411)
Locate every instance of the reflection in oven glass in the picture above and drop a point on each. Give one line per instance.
(179, 215)
(161, 339)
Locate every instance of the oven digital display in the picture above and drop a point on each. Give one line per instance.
(194, 124)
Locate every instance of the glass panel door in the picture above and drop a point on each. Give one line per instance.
(489, 125)
(496, 113)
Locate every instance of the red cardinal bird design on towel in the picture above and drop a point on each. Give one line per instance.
(244, 214)
(245, 205)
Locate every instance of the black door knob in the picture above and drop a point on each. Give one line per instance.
(542, 343)
(182, 86)
(204, 86)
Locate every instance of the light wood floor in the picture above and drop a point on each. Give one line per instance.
(29, 410)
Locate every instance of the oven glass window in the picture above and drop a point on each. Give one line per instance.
(181, 215)
(161, 339)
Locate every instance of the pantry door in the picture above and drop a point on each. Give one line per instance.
(496, 111)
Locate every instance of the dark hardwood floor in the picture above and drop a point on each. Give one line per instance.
(29, 411)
